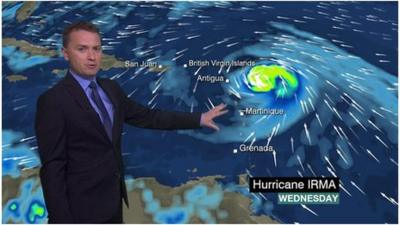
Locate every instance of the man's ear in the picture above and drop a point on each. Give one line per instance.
(65, 53)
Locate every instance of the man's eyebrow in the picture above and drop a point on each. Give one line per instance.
(86, 46)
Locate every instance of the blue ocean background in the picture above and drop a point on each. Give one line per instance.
(168, 155)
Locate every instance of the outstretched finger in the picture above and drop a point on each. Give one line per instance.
(213, 126)
(219, 113)
(220, 106)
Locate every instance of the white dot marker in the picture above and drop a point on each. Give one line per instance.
(241, 113)
(159, 66)
(227, 81)
(234, 151)
(185, 65)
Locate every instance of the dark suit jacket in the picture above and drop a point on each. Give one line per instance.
(82, 171)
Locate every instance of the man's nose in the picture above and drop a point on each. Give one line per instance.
(91, 55)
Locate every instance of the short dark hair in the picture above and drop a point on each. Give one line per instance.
(79, 25)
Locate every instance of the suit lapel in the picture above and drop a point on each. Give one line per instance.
(80, 97)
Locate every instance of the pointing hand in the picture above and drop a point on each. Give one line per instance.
(207, 117)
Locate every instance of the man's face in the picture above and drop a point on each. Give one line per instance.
(83, 52)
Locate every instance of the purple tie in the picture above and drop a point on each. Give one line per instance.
(103, 112)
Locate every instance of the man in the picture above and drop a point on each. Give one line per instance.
(78, 128)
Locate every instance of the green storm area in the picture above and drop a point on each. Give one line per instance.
(36, 210)
(266, 78)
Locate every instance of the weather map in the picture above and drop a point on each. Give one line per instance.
(311, 89)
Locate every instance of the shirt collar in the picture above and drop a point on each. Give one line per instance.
(83, 82)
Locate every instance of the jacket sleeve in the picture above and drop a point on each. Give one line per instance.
(141, 116)
(51, 139)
